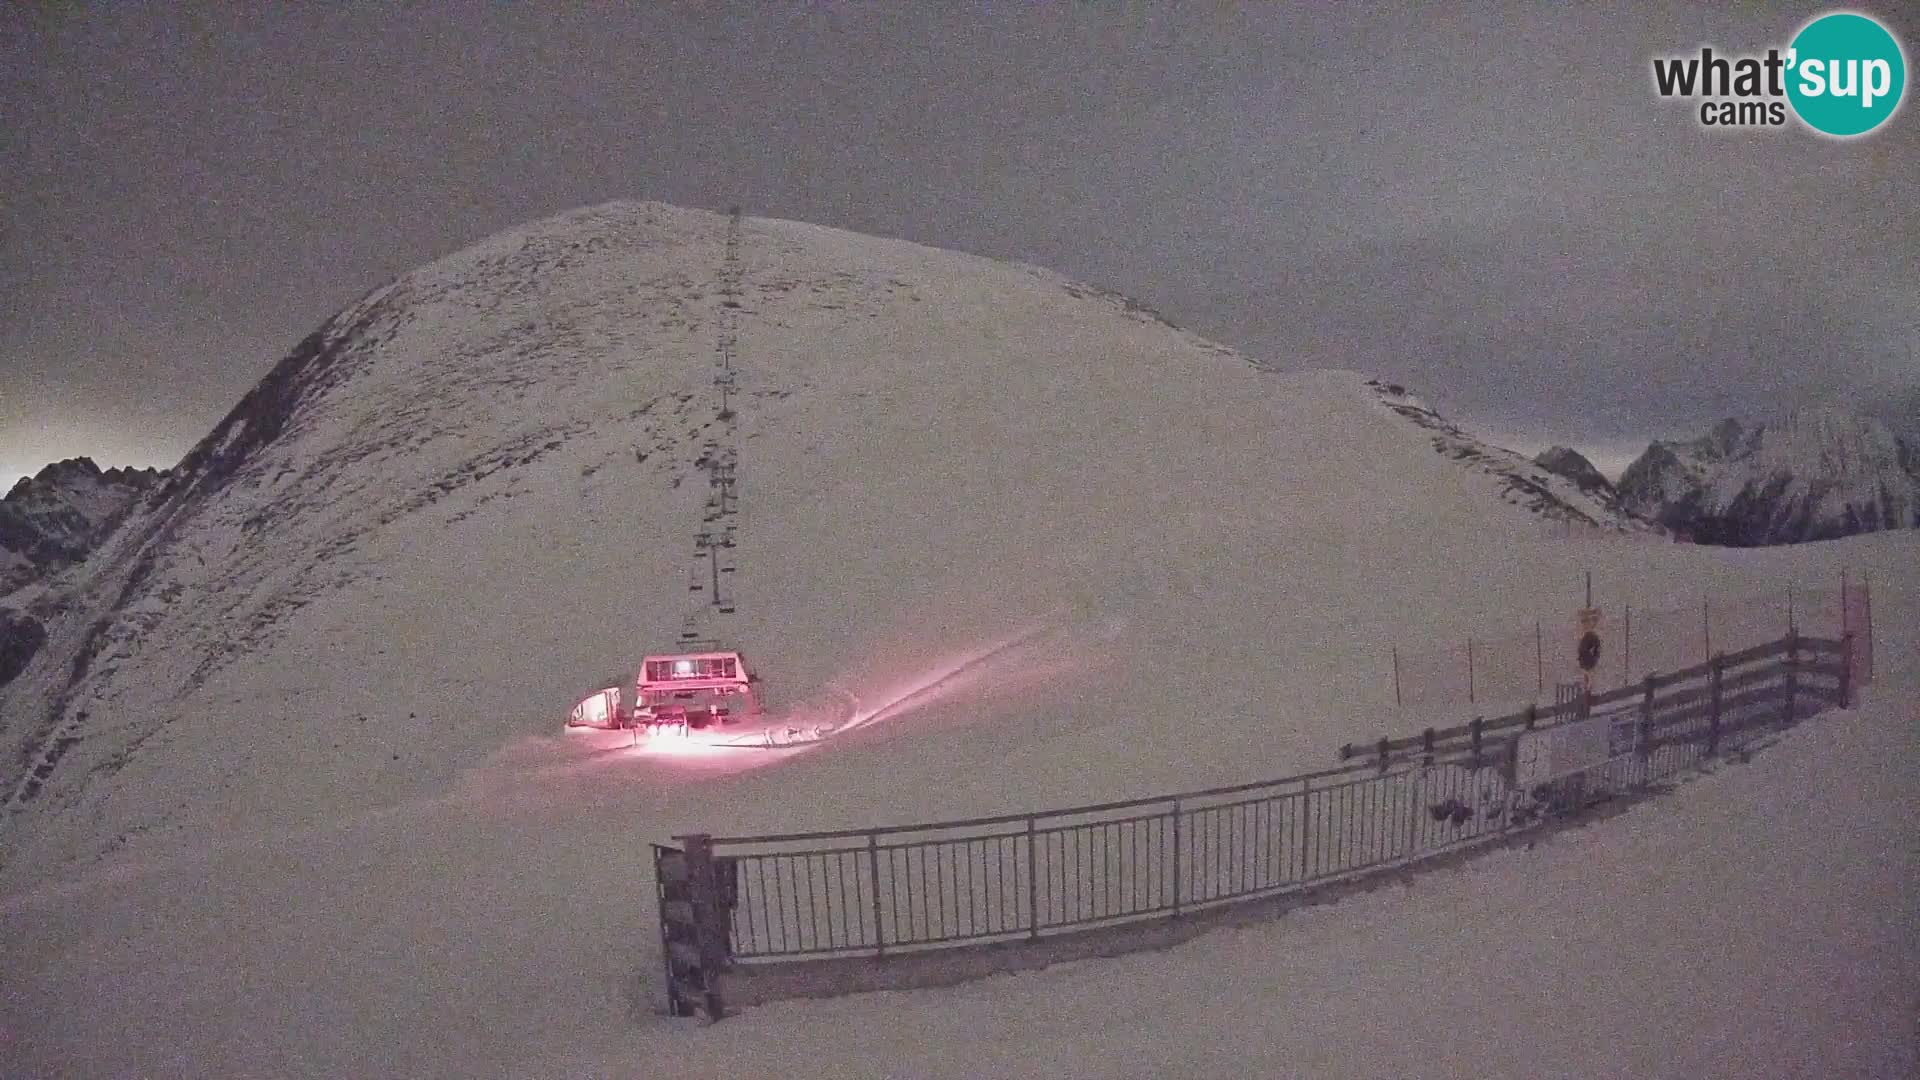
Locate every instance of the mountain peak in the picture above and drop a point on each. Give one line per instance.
(1724, 440)
(50, 520)
(1817, 473)
(1572, 464)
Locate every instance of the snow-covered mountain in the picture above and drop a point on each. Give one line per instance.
(1572, 464)
(1820, 473)
(479, 492)
(286, 786)
(1551, 485)
(1895, 405)
(50, 520)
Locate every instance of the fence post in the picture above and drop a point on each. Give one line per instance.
(1415, 795)
(1384, 749)
(1426, 747)
(1626, 648)
(692, 980)
(1533, 714)
(1306, 829)
(1713, 696)
(1866, 608)
(1469, 671)
(1396, 676)
(1179, 871)
(1793, 674)
(1033, 876)
(1706, 628)
(1539, 661)
(1510, 772)
(873, 879)
(1845, 624)
(1846, 669)
(1475, 730)
(1646, 717)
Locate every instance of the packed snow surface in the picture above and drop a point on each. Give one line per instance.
(1756, 922)
(320, 819)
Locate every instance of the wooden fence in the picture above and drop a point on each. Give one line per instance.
(1525, 662)
(754, 901)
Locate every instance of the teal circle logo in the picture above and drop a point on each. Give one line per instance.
(1846, 74)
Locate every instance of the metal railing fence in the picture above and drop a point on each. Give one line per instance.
(894, 889)
(1523, 662)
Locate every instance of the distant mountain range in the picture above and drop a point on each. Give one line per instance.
(1816, 475)
(51, 520)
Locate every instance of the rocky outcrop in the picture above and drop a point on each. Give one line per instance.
(21, 636)
(51, 520)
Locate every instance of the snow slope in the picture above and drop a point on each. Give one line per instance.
(1757, 923)
(1545, 485)
(319, 819)
(472, 496)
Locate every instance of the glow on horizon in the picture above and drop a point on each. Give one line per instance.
(1610, 456)
(26, 452)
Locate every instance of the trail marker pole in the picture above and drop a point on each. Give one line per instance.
(1539, 661)
(1706, 629)
(1846, 669)
(1626, 648)
(1866, 608)
(1793, 672)
(1469, 670)
(1845, 624)
(1713, 716)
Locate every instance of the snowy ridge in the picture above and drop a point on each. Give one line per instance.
(1547, 488)
(1820, 473)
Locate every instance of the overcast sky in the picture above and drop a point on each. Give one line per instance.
(1491, 207)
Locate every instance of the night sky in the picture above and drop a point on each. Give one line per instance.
(1491, 206)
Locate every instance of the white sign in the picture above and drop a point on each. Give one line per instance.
(1560, 751)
